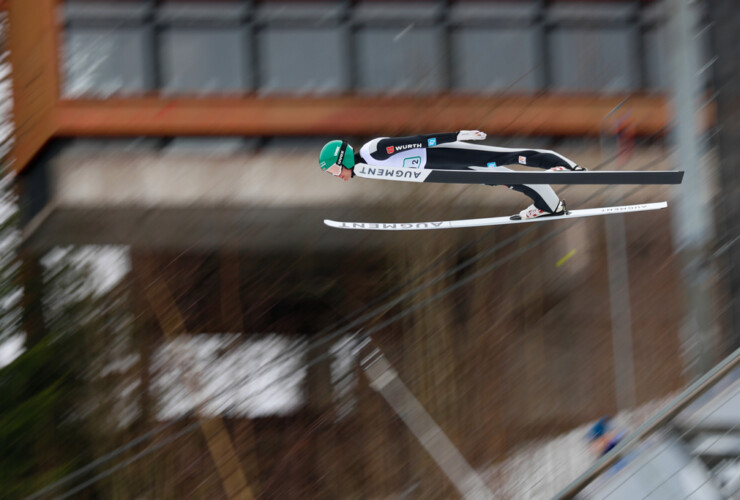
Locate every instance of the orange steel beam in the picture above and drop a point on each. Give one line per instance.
(33, 58)
(554, 115)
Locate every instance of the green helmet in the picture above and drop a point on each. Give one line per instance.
(336, 152)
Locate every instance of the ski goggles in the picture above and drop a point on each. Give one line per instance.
(336, 169)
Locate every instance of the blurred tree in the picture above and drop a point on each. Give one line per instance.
(41, 413)
(40, 390)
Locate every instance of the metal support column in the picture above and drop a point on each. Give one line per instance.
(384, 379)
(619, 292)
(621, 316)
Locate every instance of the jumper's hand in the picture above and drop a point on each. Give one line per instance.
(471, 135)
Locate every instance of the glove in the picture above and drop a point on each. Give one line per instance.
(471, 135)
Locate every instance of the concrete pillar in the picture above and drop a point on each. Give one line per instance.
(693, 224)
(724, 16)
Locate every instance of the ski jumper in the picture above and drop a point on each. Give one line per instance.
(444, 152)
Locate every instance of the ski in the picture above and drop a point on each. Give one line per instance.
(492, 221)
(483, 175)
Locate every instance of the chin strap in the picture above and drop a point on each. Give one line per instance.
(342, 151)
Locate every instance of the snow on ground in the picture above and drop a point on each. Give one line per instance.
(229, 376)
(108, 264)
(237, 376)
(10, 349)
(540, 469)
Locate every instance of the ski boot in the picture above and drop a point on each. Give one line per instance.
(567, 168)
(533, 212)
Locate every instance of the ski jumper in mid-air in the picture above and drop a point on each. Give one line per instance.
(448, 152)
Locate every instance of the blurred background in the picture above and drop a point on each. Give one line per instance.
(177, 322)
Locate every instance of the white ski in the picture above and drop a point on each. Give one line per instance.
(492, 221)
